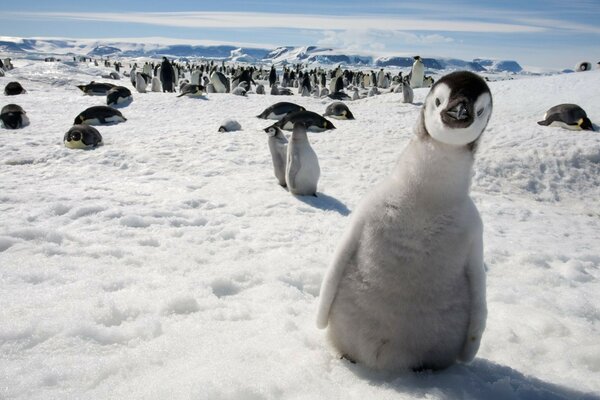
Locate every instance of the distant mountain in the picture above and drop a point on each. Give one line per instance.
(279, 56)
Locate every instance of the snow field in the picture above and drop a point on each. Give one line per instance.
(169, 263)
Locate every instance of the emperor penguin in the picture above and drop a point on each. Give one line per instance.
(417, 73)
(302, 169)
(406, 286)
(156, 86)
(278, 145)
(140, 83)
(408, 94)
(568, 116)
(220, 82)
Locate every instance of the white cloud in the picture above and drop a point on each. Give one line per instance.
(376, 40)
(292, 21)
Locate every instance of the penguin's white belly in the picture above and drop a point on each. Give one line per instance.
(404, 300)
(561, 124)
(307, 177)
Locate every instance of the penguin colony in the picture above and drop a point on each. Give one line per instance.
(370, 292)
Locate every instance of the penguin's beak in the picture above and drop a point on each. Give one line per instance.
(459, 112)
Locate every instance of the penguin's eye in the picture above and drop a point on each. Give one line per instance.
(437, 102)
(480, 111)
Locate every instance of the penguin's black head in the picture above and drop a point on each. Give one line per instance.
(585, 124)
(12, 120)
(458, 108)
(78, 120)
(73, 136)
(271, 130)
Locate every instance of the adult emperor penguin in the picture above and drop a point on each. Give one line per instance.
(13, 89)
(82, 137)
(119, 95)
(13, 116)
(338, 110)
(279, 110)
(417, 73)
(302, 166)
(220, 82)
(99, 115)
(278, 144)
(310, 120)
(96, 88)
(406, 288)
(569, 116)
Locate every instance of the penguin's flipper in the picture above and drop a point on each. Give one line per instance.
(475, 270)
(344, 254)
(544, 123)
(292, 167)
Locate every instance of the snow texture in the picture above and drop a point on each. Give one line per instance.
(169, 263)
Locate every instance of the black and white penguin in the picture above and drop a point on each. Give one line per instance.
(569, 116)
(96, 88)
(191, 90)
(272, 76)
(99, 115)
(583, 66)
(167, 75)
(279, 110)
(417, 73)
(13, 117)
(311, 120)
(220, 82)
(338, 110)
(118, 95)
(406, 287)
(339, 96)
(82, 137)
(13, 89)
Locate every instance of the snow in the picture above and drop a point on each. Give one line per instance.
(169, 263)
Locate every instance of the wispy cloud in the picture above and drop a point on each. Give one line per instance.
(375, 39)
(293, 21)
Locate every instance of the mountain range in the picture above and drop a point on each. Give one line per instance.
(230, 53)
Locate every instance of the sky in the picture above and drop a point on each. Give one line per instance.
(540, 33)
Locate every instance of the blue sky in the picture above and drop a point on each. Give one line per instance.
(548, 33)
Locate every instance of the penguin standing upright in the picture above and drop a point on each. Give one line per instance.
(272, 76)
(278, 144)
(406, 288)
(417, 73)
(302, 169)
(167, 75)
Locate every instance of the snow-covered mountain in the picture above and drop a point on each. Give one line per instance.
(232, 53)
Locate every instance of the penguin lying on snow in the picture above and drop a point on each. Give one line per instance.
(406, 288)
(82, 137)
(338, 110)
(13, 117)
(311, 120)
(99, 115)
(569, 116)
(230, 125)
(191, 90)
(279, 110)
(118, 95)
(13, 89)
(96, 88)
